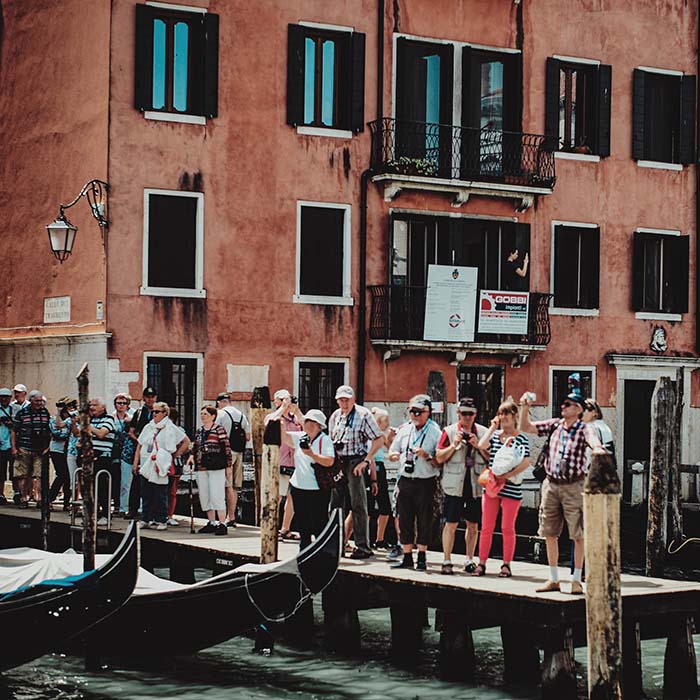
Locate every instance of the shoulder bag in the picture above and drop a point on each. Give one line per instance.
(329, 478)
(539, 471)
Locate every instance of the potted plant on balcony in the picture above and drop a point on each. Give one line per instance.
(405, 165)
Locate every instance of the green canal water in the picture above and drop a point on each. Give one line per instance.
(232, 671)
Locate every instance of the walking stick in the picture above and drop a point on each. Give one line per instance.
(191, 504)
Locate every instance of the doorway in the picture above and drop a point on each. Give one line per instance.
(637, 427)
(175, 382)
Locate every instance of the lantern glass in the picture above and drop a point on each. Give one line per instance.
(61, 237)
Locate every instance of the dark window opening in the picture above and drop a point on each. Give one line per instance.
(561, 386)
(176, 61)
(660, 273)
(484, 384)
(321, 251)
(172, 241)
(576, 267)
(317, 384)
(175, 382)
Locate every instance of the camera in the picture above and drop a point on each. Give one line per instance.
(408, 465)
(305, 442)
(293, 399)
(531, 396)
(338, 446)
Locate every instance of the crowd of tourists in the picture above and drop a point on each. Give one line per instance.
(324, 462)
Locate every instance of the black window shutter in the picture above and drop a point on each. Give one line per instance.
(638, 99)
(295, 74)
(143, 59)
(211, 65)
(604, 99)
(590, 268)
(357, 91)
(467, 111)
(687, 135)
(551, 104)
(677, 253)
(637, 272)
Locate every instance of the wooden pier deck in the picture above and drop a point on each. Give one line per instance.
(529, 621)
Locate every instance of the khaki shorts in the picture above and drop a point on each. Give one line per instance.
(28, 464)
(561, 502)
(284, 484)
(236, 479)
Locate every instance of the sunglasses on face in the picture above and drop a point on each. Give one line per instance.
(158, 410)
(121, 403)
(566, 404)
(467, 413)
(416, 411)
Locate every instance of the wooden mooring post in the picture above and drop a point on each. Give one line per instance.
(259, 408)
(601, 506)
(87, 476)
(663, 404)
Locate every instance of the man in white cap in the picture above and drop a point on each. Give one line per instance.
(5, 440)
(20, 398)
(352, 427)
(289, 419)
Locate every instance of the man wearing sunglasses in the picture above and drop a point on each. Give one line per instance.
(566, 466)
(461, 462)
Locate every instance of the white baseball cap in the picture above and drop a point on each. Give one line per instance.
(20, 387)
(344, 392)
(316, 416)
(281, 394)
(5, 391)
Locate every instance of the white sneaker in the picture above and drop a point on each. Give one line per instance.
(102, 521)
(173, 522)
(142, 524)
(162, 526)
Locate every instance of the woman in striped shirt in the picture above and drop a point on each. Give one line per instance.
(502, 429)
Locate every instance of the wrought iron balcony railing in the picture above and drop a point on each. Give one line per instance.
(398, 313)
(461, 153)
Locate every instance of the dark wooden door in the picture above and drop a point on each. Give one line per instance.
(175, 381)
(637, 421)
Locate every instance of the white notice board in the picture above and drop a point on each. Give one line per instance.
(450, 303)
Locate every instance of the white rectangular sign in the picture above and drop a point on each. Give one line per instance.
(450, 303)
(56, 309)
(503, 312)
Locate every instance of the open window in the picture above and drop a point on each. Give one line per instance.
(318, 380)
(176, 63)
(563, 383)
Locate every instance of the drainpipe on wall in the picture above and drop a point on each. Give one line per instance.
(364, 185)
(697, 192)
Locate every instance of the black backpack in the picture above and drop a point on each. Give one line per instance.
(237, 435)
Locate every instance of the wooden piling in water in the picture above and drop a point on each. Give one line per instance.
(558, 669)
(87, 476)
(259, 407)
(662, 421)
(457, 660)
(269, 502)
(601, 505)
(680, 663)
(521, 657)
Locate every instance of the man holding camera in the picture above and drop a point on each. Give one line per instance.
(5, 440)
(30, 445)
(351, 428)
(414, 447)
(462, 463)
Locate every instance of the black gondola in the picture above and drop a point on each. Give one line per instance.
(209, 612)
(40, 618)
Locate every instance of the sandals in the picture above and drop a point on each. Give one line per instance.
(505, 571)
(480, 570)
(289, 536)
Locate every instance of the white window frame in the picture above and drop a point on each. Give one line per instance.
(198, 292)
(345, 361)
(346, 299)
(562, 310)
(658, 315)
(570, 368)
(199, 356)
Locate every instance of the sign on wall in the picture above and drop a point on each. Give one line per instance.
(503, 312)
(450, 303)
(56, 309)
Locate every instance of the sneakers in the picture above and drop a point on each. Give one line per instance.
(380, 544)
(576, 588)
(102, 521)
(360, 554)
(221, 529)
(395, 553)
(161, 526)
(173, 522)
(549, 587)
(470, 566)
(446, 568)
(143, 524)
(208, 529)
(405, 563)
(421, 564)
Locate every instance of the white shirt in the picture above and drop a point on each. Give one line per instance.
(225, 417)
(426, 437)
(304, 476)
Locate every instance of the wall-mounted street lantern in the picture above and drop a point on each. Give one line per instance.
(62, 232)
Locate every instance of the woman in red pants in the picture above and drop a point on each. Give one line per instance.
(505, 443)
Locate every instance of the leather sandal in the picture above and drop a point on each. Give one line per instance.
(505, 571)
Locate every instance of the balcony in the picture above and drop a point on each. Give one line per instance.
(397, 316)
(460, 161)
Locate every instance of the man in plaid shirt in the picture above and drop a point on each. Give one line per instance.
(562, 491)
(356, 438)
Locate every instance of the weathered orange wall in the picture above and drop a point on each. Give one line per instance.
(54, 106)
